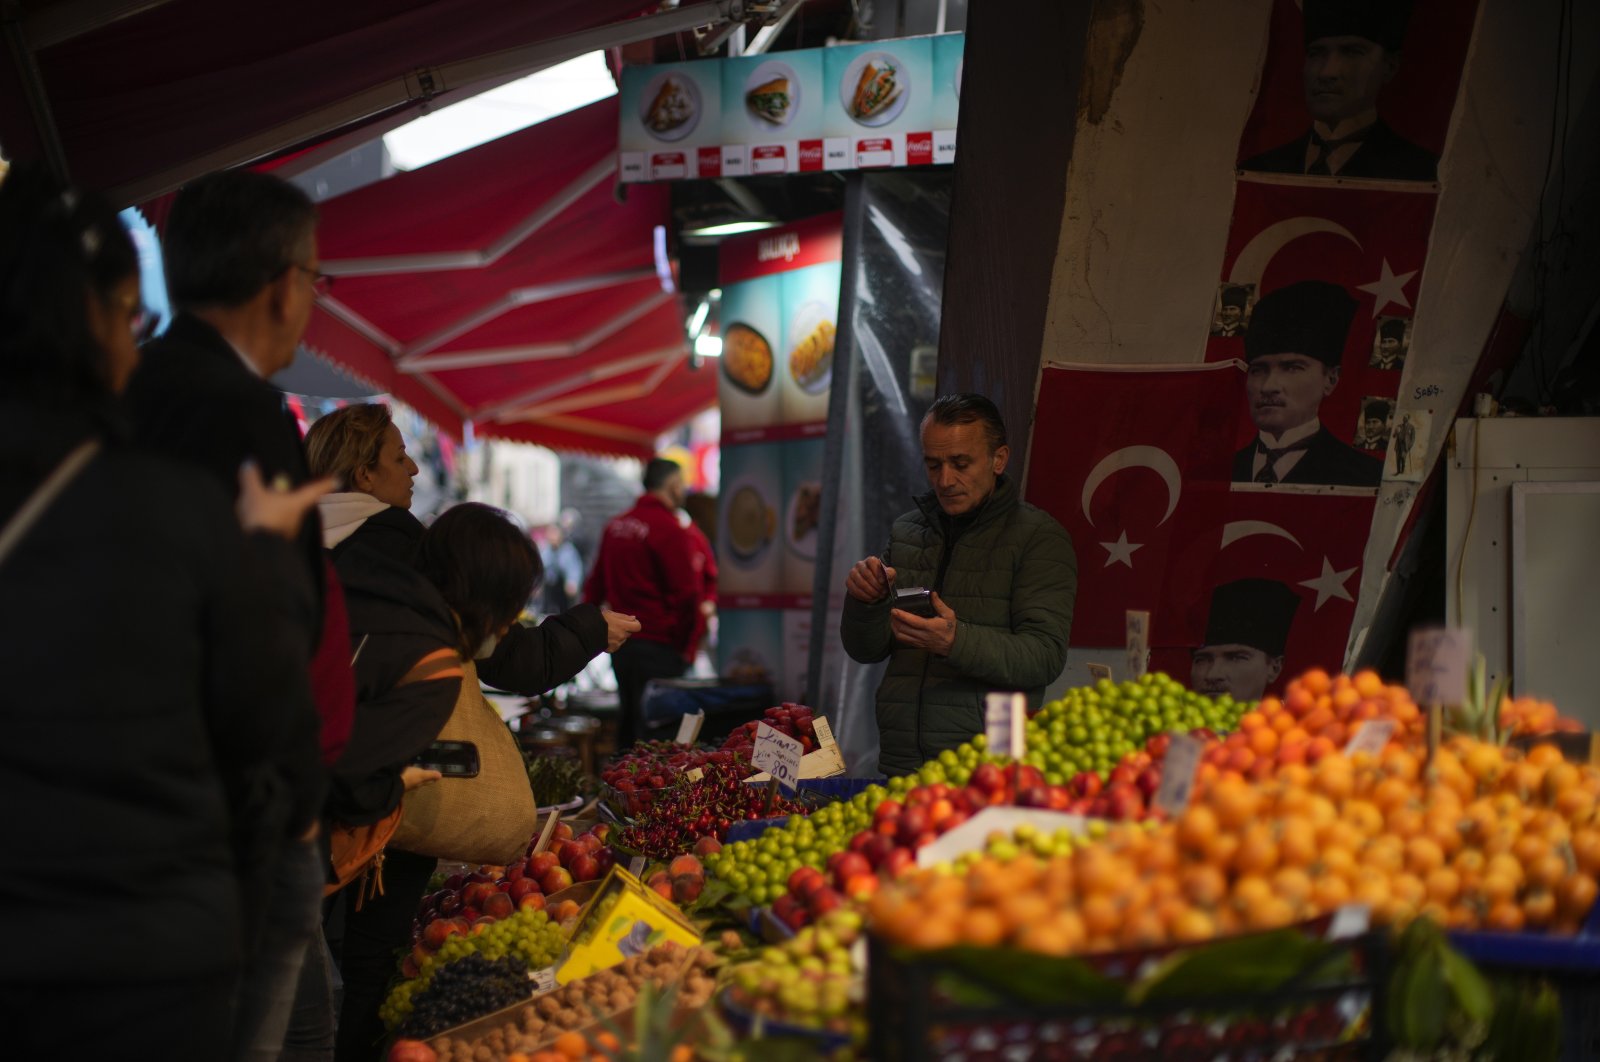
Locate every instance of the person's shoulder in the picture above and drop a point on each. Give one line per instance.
(137, 489)
(1041, 527)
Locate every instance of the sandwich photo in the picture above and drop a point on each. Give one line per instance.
(671, 108)
(770, 100)
(878, 88)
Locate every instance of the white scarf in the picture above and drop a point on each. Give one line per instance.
(343, 513)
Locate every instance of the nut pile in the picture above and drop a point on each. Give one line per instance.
(594, 998)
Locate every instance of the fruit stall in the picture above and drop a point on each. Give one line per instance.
(1336, 872)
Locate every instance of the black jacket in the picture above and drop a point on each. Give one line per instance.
(144, 714)
(1383, 154)
(1327, 461)
(528, 660)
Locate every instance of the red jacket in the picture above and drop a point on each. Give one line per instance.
(647, 568)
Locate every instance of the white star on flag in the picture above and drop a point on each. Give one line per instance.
(1121, 551)
(1388, 288)
(1329, 584)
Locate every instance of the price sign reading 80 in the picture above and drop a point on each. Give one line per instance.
(778, 755)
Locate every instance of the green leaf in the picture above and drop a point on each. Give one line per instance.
(1260, 962)
(1472, 991)
(1426, 1001)
(1028, 976)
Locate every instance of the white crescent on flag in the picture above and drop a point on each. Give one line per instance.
(1151, 457)
(1255, 256)
(1233, 532)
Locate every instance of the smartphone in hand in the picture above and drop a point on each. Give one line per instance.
(453, 759)
(917, 600)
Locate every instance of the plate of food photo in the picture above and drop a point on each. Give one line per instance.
(749, 522)
(746, 358)
(669, 106)
(811, 336)
(803, 522)
(874, 88)
(772, 95)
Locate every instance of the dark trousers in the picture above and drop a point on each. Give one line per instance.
(374, 939)
(272, 972)
(635, 664)
(177, 1021)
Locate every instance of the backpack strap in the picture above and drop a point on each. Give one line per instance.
(439, 664)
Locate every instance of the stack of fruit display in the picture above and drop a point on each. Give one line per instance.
(556, 780)
(634, 780)
(553, 1020)
(789, 719)
(809, 981)
(1525, 716)
(1494, 841)
(527, 937)
(679, 817)
(684, 879)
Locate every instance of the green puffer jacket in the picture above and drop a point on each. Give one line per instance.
(1011, 579)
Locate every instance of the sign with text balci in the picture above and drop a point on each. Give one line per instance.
(852, 106)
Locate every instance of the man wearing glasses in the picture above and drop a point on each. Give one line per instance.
(240, 253)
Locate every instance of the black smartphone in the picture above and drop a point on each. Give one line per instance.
(917, 600)
(453, 759)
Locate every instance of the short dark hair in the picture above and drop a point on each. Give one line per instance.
(484, 567)
(1378, 408)
(56, 246)
(233, 233)
(968, 408)
(658, 470)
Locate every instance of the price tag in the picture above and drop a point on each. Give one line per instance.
(1004, 715)
(824, 732)
(636, 865)
(1350, 920)
(1436, 665)
(543, 980)
(777, 754)
(1099, 671)
(1177, 774)
(695, 774)
(1138, 627)
(689, 728)
(1370, 737)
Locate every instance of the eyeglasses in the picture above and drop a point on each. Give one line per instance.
(321, 283)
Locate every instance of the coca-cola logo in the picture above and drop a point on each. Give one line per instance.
(811, 152)
(771, 248)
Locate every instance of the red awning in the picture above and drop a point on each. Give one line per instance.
(143, 101)
(509, 287)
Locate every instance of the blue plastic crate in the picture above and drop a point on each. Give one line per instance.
(1536, 952)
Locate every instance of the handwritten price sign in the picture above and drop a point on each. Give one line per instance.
(1004, 716)
(1138, 628)
(689, 727)
(1436, 665)
(1177, 776)
(778, 755)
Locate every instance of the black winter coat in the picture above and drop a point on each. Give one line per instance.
(144, 713)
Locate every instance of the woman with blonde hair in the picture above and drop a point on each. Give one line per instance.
(362, 448)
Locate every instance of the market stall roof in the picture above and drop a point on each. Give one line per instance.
(134, 97)
(510, 286)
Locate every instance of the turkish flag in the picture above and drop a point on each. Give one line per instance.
(1369, 241)
(1134, 461)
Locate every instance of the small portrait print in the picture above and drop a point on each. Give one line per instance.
(1390, 344)
(1372, 431)
(1231, 314)
(1408, 448)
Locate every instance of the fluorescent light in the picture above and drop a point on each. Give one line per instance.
(490, 115)
(708, 346)
(698, 321)
(730, 228)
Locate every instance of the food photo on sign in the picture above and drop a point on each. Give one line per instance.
(879, 104)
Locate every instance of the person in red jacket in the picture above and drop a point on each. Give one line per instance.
(646, 568)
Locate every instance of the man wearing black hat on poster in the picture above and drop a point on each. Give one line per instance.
(1352, 51)
(1231, 304)
(1246, 632)
(1390, 353)
(1293, 348)
(1374, 433)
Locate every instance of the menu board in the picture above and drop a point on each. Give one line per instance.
(852, 106)
(749, 517)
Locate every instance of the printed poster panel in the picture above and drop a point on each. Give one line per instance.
(671, 116)
(1312, 279)
(949, 51)
(879, 100)
(750, 547)
(1358, 91)
(752, 329)
(796, 653)
(750, 647)
(802, 513)
(810, 299)
(772, 113)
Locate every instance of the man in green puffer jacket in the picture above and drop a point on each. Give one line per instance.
(1004, 576)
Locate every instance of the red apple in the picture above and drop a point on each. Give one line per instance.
(686, 888)
(476, 893)
(859, 886)
(707, 846)
(500, 905)
(533, 901)
(522, 887)
(538, 864)
(563, 832)
(591, 843)
(585, 868)
(554, 880)
(1087, 784)
(438, 931)
(898, 862)
(824, 901)
(878, 849)
(516, 870)
(849, 865)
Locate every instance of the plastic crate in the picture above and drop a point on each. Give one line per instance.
(817, 792)
(916, 1013)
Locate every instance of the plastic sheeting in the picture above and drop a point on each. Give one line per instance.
(884, 377)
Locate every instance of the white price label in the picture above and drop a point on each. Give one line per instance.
(1099, 671)
(695, 774)
(689, 727)
(543, 980)
(1370, 737)
(1138, 627)
(1177, 773)
(1350, 920)
(824, 732)
(1004, 716)
(636, 865)
(1436, 665)
(777, 754)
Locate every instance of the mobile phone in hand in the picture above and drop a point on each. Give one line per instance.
(453, 759)
(917, 600)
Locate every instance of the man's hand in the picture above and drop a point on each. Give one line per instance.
(276, 511)
(936, 635)
(413, 776)
(618, 627)
(869, 580)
